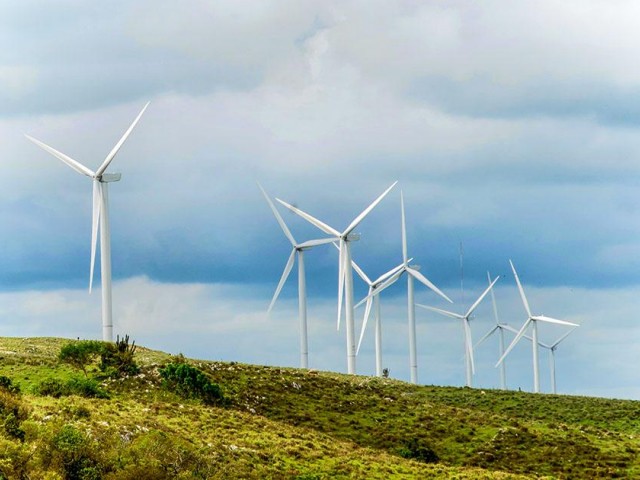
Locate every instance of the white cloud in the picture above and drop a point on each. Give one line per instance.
(229, 322)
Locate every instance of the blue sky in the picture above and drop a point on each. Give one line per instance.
(512, 128)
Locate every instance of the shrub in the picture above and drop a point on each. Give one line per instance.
(83, 387)
(190, 382)
(12, 427)
(7, 385)
(417, 449)
(117, 359)
(72, 452)
(81, 353)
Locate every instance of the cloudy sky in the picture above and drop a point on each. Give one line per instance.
(512, 128)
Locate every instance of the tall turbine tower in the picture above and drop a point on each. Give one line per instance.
(468, 343)
(552, 359)
(498, 327)
(533, 321)
(345, 272)
(375, 299)
(412, 272)
(100, 220)
(298, 249)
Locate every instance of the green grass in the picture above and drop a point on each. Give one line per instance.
(290, 423)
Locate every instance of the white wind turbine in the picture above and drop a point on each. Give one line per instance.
(100, 221)
(412, 272)
(498, 327)
(533, 321)
(552, 358)
(468, 350)
(297, 250)
(376, 309)
(345, 273)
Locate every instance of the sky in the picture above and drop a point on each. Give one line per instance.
(512, 129)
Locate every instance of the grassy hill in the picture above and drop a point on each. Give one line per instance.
(290, 423)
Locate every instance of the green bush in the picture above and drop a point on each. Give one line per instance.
(190, 382)
(81, 353)
(417, 449)
(12, 427)
(7, 385)
(73, 452)
(117, 359)
(83, 387)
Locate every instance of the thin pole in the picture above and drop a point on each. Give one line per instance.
(378, 339)
(503, 369)
(349, 313)
(552, 360)
(413, 356)
(302, 311)
(105, 266)
(536, 373)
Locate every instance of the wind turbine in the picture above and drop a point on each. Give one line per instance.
(469, 363)
(498, 327)
(297, 250)
(376, 308)
(345, 272)
(533, 321)
(100, 221)
(552, 358)
(412, 272)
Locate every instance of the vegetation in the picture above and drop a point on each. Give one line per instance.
(190, 382)
(289, 423)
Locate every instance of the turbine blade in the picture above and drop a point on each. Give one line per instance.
(367, 210)
(481, 297)
(386, 275)
(77, 166)
(469, 344)
(115, 149)
(361, 273)
(555, 344)
(365, 319)
(280, 220)
(314, 221)
(446, 313)
(521, 290)
(493, 302)
(542, 318)
(416, 274)
(95, 222)
(315, 243)
(404, 229)
(508, 328)
(386, 284)
(283, 278)
(514, 341)
(486, 335)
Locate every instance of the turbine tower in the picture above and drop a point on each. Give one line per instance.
(376, 309)
(100, 221)
(533, 321)
(297, 250)
(552, 358)
(498, 327)
(345, 272)
(412, 272)
(468, 350)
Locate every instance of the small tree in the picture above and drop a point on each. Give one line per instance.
(190, 382)
(80, 353)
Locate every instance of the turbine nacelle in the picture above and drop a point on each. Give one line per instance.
(109, 177)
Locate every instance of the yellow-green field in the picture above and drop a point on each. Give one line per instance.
(289, 423)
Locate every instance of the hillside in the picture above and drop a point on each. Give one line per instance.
(290, 423)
